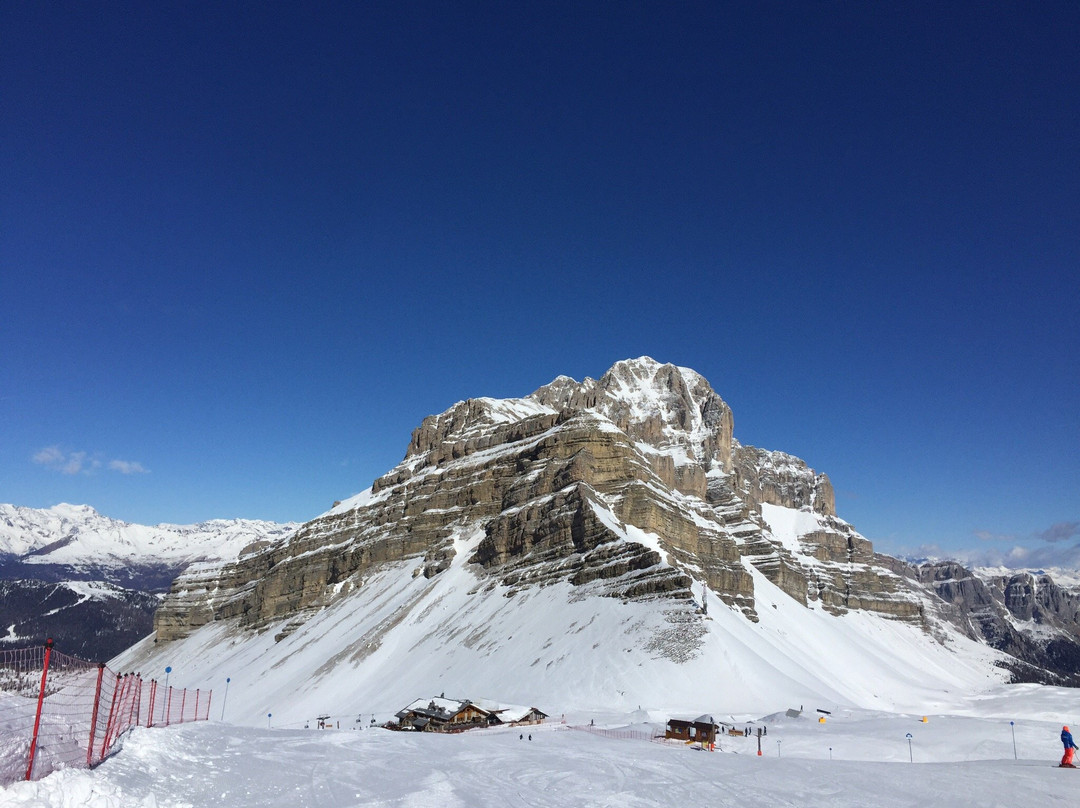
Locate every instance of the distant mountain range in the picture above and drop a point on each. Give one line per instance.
(93, 583)
(604, 542)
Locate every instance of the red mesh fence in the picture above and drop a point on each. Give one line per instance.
(59, 711)
(619, 734)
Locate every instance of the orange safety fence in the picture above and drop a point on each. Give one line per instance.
(59, 711)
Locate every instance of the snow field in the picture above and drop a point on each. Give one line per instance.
(970, 764)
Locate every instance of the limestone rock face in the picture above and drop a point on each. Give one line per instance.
(781, 479)
(630, 486)
(632, 483)
(1027, 616)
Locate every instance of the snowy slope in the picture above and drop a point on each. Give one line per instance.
(402, 636)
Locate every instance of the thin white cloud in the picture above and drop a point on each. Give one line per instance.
(57, 459)
(1045, 549)
(1062, 531)
(986, 535)
(127, 467)
(49, 456)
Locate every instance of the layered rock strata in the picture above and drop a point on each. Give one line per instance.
(632, 485)
(1029, 617)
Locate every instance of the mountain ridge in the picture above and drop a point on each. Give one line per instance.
(93, 582)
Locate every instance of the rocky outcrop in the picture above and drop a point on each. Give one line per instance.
(1038, 599)
(1028, 617)
(781, 479)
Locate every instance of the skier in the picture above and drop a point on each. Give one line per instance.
(1070, 747)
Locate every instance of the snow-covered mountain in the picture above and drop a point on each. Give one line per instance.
(605, 543)
(79, 536)
(92, 582)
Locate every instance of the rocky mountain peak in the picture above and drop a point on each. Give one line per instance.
(671, 409)
(628, 486)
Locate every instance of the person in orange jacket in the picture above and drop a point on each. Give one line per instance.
(1070, 747)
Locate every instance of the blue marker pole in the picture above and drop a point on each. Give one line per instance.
(268, 720)
(226, 696)
(1012, 726)
(168, 670)
(911, 759)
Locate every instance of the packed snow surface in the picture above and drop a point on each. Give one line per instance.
(855, 758)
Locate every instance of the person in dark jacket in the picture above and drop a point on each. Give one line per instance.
(1070, 747)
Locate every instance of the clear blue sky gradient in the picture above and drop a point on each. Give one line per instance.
(246, 248)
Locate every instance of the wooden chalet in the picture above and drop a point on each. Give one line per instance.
(702, 729)
(444, 715)
(518, 716)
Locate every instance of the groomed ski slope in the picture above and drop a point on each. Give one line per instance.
(959, 761)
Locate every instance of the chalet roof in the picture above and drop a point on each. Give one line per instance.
(513, 713)
(707, 720)
(507, 713)
(440, 708)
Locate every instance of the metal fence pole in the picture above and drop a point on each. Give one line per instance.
(94, 715)
(41, 700)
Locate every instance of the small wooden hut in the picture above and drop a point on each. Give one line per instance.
(702, 729)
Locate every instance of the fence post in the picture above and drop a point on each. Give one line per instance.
(94, 715)
(112, 713)
(138, 699)
(196, 718)
(133, 694)
(209, 696)
(41, 700)
(114, 720)
(183, 699)
(150, 712)
(168, 706)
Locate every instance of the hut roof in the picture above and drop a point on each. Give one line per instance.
(441, 708)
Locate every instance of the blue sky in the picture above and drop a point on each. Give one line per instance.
(245, 250)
